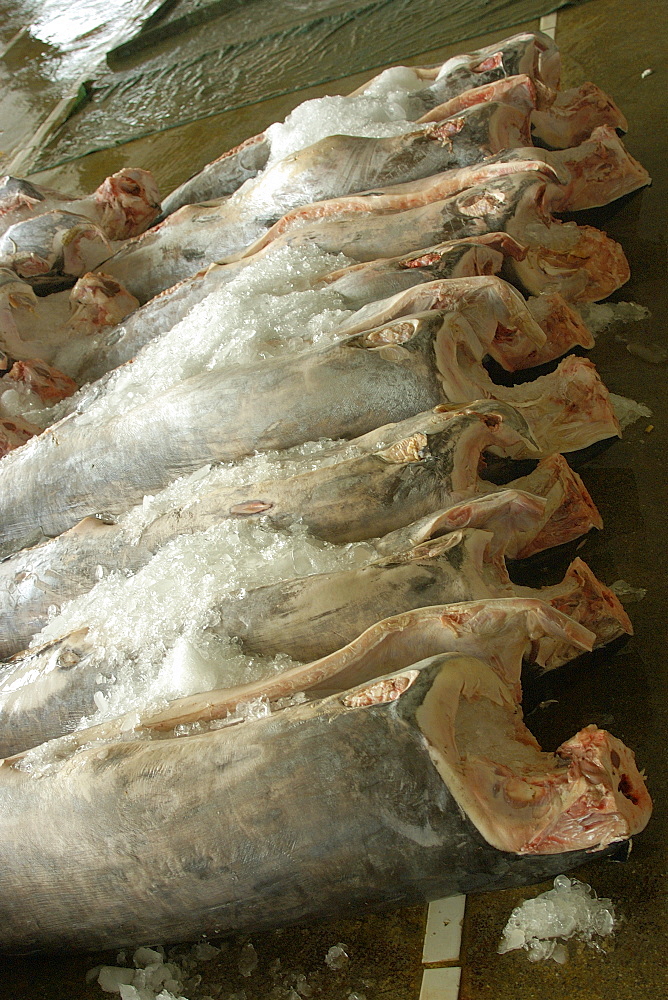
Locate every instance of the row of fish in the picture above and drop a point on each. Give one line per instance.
(262, 648)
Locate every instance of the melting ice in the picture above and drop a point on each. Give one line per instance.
(152, 631)
(570, 910)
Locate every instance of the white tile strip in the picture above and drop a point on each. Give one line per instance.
(548, 24)
(440, 984)
(443, 934)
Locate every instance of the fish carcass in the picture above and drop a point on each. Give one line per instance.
(405, 795)
(422, 779)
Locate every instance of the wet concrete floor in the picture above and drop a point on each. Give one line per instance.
(625, 689)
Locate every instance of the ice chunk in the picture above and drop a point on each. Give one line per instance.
(654, 354)
(628, 411)
(626, 593)
(599, 316)
(570, 910)
(337, 956)
(110, 978)
(248, 960)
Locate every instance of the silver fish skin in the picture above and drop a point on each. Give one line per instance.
(457, 566)
(223, 176)
(110, 463)
(532, 54)
(517, 204)
(497, 628)
(399, 473)
(124, 205)
(592, 174)
(360, 382)
(198, 235)
(403, 473)
(201, 831)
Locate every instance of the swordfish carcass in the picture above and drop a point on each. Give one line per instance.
(381, 482)
(378, 483)
(124, 205)
(45, 691)
(580, 262)
(93, 462)
(111, 348)
(532, 55)
(419, 783)
(198, 235)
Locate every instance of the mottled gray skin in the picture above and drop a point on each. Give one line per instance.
(220, 177)
(434, 463)
(199, 235)
(320, 810)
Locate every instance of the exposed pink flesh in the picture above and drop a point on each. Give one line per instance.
(14, 432)
(519, 91)
(48, 384)
(570, 511)
(575, 114)
(601, 170)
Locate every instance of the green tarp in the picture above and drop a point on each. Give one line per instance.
(259, 49)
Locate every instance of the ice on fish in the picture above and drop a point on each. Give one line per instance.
(570, 910)
(267, 310)
(627, 410)
(152, 629)
(384, 112)
(600, 316)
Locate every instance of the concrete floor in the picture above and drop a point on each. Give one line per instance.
(626, 689)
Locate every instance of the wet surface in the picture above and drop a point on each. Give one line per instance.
(623, 688)
(247, 54)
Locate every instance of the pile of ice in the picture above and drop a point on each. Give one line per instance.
(151, 976)
(571, 910)
(268, 309)
(600, 316)
(384, 109)
(154, 632)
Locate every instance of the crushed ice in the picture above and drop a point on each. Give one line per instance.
(266, 310)
(628, 411)
(383, 110)
(571, 910)
(600, 316)
(627, 593)
(153, 633)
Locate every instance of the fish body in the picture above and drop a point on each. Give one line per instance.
(198, 235)
(124, 205)
(209, 822)
(54, 249)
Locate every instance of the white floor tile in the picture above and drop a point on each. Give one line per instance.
(440, 984)
(443, 935)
